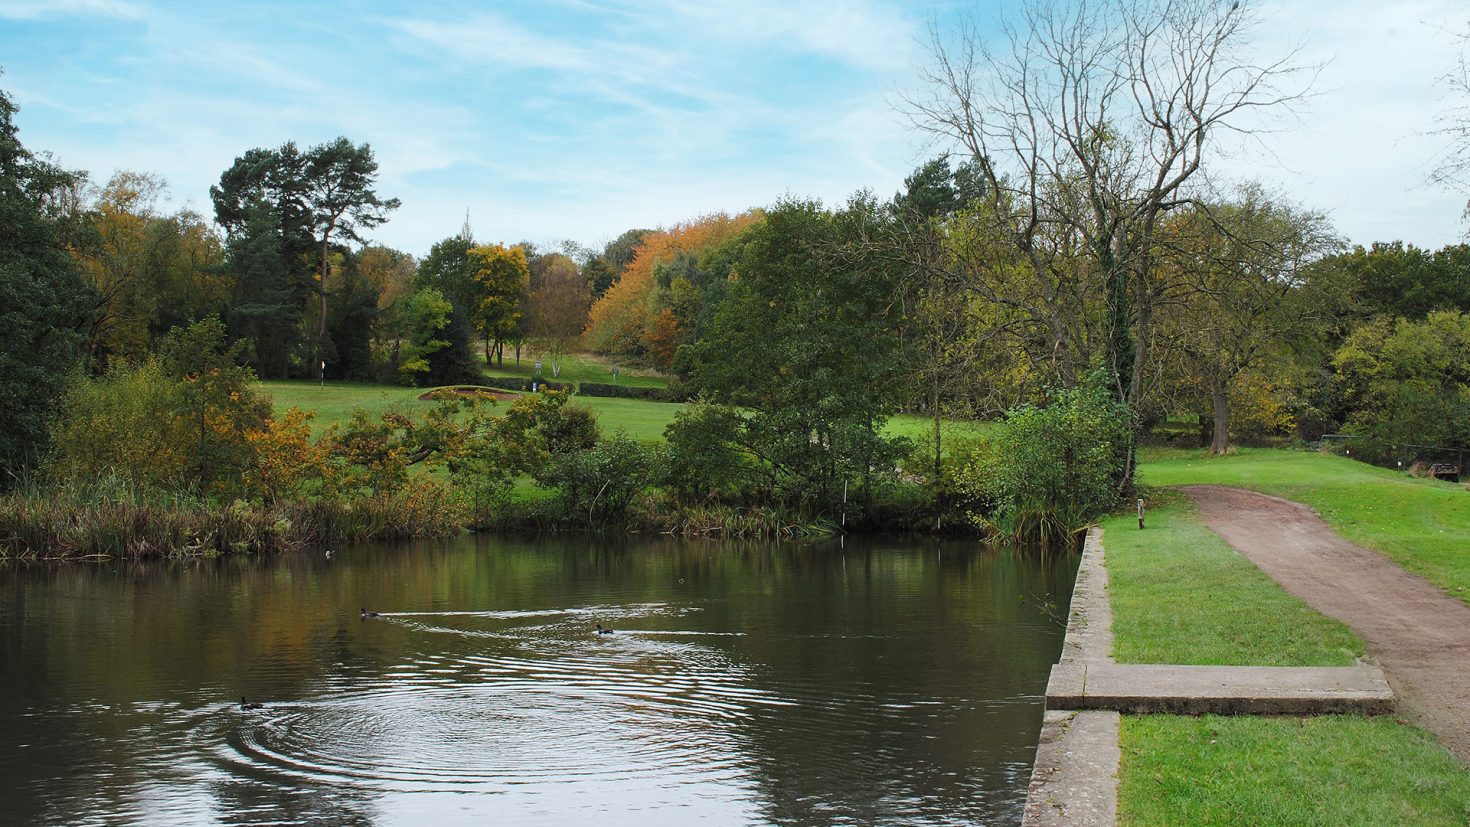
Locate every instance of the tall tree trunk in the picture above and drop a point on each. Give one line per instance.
(938, 452)
(321, 322)
(1220, 400)
(321, 286)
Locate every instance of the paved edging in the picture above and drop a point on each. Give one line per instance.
(1087, 678)
(1224, 690)
(1074, 780)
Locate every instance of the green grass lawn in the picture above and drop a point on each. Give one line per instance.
(579, 367)
(1248, 770)
(335, 401)
(1423, 525)
(921, 430)
(1180, 594)
(640, 418)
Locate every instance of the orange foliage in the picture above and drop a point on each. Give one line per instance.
(286, 458)
(663, 337)
(618, 320)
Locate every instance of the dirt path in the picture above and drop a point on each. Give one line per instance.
(1417, 633)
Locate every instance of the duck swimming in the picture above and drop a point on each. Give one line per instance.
(366, 613)
(249, 705)
(602, 631)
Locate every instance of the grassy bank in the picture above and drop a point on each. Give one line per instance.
(1423, 525)
(1180, 594)
(110, 518)
(580, 367)
(1327, 770)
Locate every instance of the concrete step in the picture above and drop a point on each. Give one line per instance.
(1228, 690)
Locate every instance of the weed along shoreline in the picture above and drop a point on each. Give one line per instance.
(1159, 712)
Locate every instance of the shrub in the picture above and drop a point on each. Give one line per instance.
(1050, 470)
(623, 391)
(182, 418)
(706, 459)
(596, 486)
(522, 383)
(123, 423)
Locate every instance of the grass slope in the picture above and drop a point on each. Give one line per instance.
(1180, 594)
(1423, 525)
(333, 402)
(581, 367)
(1247, 770)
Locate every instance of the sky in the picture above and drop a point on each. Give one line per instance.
(580, 119)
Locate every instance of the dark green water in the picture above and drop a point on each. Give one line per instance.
(894, 683)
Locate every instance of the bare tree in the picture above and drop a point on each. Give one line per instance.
(1453, 169)
(1089, 121)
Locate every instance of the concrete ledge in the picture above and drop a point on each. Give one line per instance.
(1229, 690)
(1090, 616)
(1075, 779)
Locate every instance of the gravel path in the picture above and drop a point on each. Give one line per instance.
(1417, 633)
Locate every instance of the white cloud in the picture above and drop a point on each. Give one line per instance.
(487, 39)
(1360, 147)
(34, 10)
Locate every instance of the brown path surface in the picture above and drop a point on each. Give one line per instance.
(1417, 633)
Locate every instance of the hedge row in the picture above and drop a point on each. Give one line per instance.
(625, 392)
(521, 383)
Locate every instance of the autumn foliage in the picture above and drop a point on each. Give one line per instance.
(628, 319)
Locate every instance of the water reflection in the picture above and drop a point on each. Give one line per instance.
(892, 682)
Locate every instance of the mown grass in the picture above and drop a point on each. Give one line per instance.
(1423, 525)
(580, 367)
(1326, 770)
(1180, 594)
(639, 418)
(920, 429)
(333, 402)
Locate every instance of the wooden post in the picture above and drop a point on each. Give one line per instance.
(1140, 512)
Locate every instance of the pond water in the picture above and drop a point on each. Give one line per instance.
(892, 682)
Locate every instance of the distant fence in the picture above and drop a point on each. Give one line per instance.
(1444, 461)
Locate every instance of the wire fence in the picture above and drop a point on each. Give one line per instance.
(1443, 461)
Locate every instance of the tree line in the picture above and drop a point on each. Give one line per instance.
(1075, 264)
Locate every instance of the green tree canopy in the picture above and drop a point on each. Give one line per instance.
(44, 305)
(807, 339)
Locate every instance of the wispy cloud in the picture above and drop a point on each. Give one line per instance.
(488, 39)
(43, 9)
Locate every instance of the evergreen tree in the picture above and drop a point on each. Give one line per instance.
(43, 302)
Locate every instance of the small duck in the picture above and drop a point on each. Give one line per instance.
(249, 705)
(603, 631)
(329, 554)
(367, 614)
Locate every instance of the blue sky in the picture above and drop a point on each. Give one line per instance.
(582, 118)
